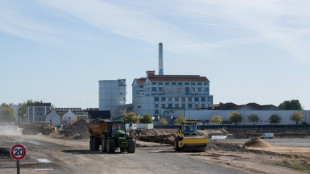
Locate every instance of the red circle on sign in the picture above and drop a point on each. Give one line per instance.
(18, 152)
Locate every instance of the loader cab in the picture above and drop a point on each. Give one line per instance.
(189, 128)
(114, 126)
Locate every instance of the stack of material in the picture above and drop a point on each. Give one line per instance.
(79, 128)
(4, 152)
(165, 136)
(257, 143)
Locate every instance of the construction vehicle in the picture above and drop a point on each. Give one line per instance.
(116, 136)
(96, 134)
(187, 138)
(34, 129)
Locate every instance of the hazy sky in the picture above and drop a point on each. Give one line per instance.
(251, 51)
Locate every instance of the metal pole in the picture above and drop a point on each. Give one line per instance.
(17, 164)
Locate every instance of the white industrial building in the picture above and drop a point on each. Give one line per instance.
(170, 95)
(112, 95)
(263, 115)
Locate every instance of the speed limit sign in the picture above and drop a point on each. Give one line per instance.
(18, 152)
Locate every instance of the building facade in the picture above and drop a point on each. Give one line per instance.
(112, 96)
(170, 95)
(36, 112)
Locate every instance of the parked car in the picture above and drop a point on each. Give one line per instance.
(267, 135)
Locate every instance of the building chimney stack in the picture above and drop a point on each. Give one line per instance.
(160, 65)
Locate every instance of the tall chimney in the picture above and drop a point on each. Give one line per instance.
(160, 65)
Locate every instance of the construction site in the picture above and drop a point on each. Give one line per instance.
(97, 146)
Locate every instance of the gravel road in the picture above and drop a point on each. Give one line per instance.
(54, 155)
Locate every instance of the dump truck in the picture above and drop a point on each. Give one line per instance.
(117, 137)
(188, 138)
(34, 129)
(96, 135)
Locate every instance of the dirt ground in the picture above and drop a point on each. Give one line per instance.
(59, 154)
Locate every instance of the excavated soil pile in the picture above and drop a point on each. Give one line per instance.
(165, 136)
(96, 121)
(78, 129)
(215, 145)
(4, 152)
(208, 133)
(257, 143)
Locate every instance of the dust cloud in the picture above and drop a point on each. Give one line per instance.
(10, 130)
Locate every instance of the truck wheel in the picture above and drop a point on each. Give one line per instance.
(46, 131)
(176, 145)
(91, 144)
(110, 146)
(104, 145)
(131, 146)
(96, 144)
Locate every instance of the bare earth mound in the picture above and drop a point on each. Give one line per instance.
(257, 143)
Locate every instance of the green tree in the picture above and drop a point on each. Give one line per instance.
(235, 117)
(297, 116)
(131, 117)
(180, 120)
(217, 119)
(291, 105)
(147, 118)
(253, 118)
(6, 113)
(163, 121)
(274, 118)
(22, 108)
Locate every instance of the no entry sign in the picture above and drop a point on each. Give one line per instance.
(18, 152)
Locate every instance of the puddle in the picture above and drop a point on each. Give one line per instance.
(44, 169)
(27, 141)
(42, 160)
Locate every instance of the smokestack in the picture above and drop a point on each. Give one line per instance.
(160, 65)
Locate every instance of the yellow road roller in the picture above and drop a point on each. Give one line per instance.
(187, 138)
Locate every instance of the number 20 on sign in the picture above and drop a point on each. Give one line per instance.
(18, 152)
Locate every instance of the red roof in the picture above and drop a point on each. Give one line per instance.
(179, 78)
(140, 81)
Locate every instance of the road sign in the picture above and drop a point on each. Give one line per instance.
(18, 152)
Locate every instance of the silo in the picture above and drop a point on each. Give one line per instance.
(112, 95)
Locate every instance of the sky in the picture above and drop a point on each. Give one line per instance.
(57, 50)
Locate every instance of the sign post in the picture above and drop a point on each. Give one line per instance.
(18, 152)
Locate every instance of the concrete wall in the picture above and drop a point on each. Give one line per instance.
(263, 115)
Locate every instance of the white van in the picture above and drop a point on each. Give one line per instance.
(267, 135)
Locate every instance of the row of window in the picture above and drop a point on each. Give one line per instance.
(178, 83)
(196, 99)
(182, 106)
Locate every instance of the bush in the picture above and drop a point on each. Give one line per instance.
(179, 120)
(147, 118)
(217, 119)
(253, 118)
(162, 121)
(297, 116)
(274, 118)
(235, 117)
(131, 118)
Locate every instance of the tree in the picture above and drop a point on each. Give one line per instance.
(6, 113)
(291, 105)
(297, 116)
(162, 121)
(274, 118)
(22, 108)
(217, 119)
(235, 117)
(253, 118)
(131, 117)
(179, 120)
(147, 118)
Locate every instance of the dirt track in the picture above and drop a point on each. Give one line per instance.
(73, 156)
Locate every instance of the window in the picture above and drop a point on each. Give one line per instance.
(189, 99)
(160, 89)
(196, 99)
(166, 83)
(180, 83)
(177, 105)
(163, 105)
(153, 88)
(176, 98)
(183, 98)
(203, 105)
(153, 83)
(193, 89)
(203, 99)
(156, 105)
(173, 83)
(196, 106)
(169, 98)
(163, 99)
(139, 106)
(156, 98)
(186, 83)
(140, 86)
(169, 105)
(156, 112)
(183, 105)
(193, 83)
(160, 83)
(190, 106)
(199, 83)
(199, 89)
